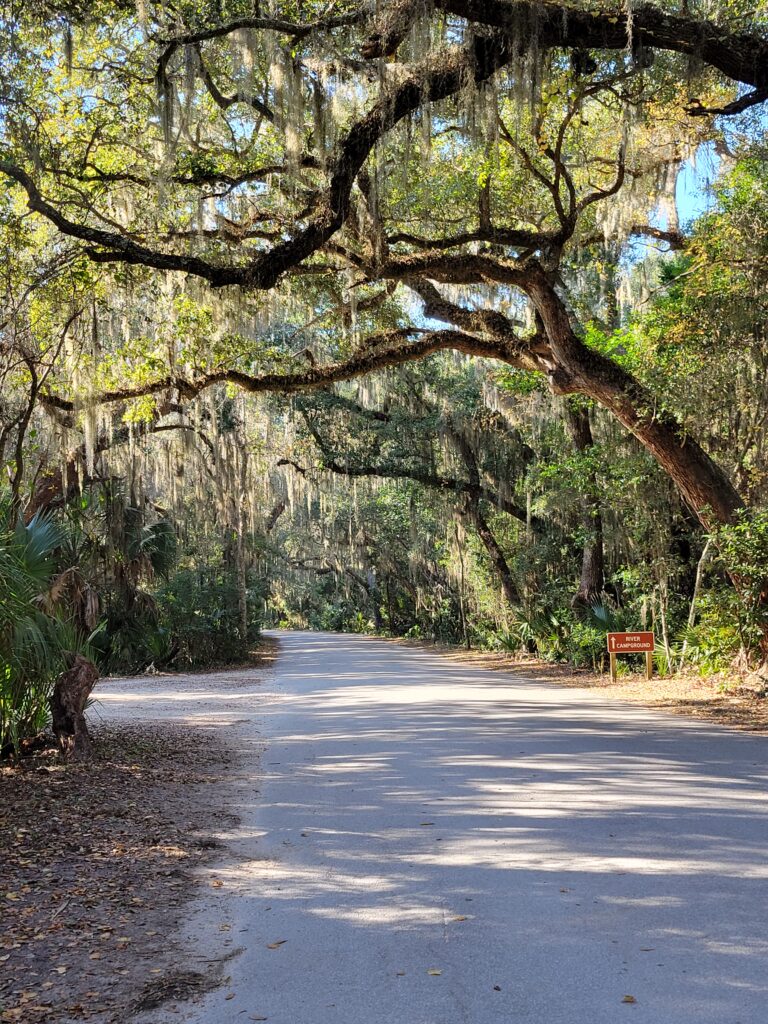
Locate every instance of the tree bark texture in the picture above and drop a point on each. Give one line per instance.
(70, 695)
(592, 579)
(576, 368)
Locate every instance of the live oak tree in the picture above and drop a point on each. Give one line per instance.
(388, 184)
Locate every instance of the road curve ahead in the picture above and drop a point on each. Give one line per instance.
(434, 844)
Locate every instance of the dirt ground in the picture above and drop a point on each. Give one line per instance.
(97, 866)
(96, 863)
(726, 701)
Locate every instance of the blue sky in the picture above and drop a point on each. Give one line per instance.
(694, 195)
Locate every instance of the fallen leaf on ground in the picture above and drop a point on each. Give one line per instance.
(138, 811)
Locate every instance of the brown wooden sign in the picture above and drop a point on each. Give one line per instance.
(631, 643)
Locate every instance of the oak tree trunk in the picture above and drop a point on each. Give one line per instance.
(68, 700)
(576, 368)
(592, 578)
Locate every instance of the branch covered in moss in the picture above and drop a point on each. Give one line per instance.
(380, 352)
(740, 56)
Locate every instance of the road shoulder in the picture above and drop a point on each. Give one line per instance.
(714, 699)
(102, 862)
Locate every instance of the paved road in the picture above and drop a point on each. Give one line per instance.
(434, 844)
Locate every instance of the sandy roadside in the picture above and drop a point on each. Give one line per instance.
(100, 862)
(715, 699)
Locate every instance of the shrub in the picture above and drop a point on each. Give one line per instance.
(199, 619)
(713, 643)
(743, 548)
(587, 645)
(34, 643)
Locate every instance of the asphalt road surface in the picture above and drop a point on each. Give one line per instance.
(422, 842)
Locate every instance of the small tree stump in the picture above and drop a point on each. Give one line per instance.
(68, 700)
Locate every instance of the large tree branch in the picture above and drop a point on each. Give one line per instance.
(751, 99)
(446, 268)
(93, 173)
(531, 352)
(674, 239)
(437, 481)
(740, 56)
(479, 321)
(519, 238)
(442, 74)
(117, 246)
(292, 29)
(392, 349)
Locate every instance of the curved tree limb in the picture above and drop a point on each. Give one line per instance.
(740, 56)
(392, 349)
(442, 74)
(437, 481)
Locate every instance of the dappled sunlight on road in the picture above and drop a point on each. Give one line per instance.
(422, 812)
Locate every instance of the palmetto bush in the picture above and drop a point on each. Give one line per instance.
(34, 643)
(556, 635)
(542, 631)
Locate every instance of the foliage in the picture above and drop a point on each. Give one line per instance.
(743, 549)
(198, 622)
(153, 612)
(34, 643)
(559, 635)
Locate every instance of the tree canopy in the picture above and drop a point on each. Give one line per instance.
(290, 262)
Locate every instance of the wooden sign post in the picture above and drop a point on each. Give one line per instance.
(631, 643)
